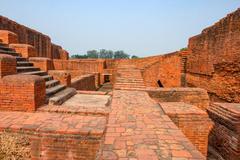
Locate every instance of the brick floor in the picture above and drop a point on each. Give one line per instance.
(52, 123)
(138, 129)
(82, 104)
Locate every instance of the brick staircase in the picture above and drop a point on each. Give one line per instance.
(55, 92)
(128, 77)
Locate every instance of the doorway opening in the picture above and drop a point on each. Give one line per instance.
(160, 84)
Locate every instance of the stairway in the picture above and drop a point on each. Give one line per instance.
(128, 77)
(55, 92)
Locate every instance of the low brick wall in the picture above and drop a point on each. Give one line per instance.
(55, 135)
(84, 82)
(195, 96)
(7, 65)
(63, 76)
(22, 93)
(225, 135)
(44, 64)
(8, 37)
(25, 50)
(193, 122)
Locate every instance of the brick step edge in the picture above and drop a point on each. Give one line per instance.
(62, 96)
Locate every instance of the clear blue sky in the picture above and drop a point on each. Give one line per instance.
(140, 27)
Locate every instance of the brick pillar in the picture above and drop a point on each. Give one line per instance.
(8, 37)
(22, 93)
(7, 65)
(44, 64)
(25, 50)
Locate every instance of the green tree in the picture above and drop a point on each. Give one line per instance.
(183, 49)
(121, 55)
(134, 57)
(78, 56)
(107, 54)
(92, 54)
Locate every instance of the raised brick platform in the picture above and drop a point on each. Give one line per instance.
(194, 96)
(193, 122)
(139, 130)
(82, 104)
(57, 136)
(225, 135)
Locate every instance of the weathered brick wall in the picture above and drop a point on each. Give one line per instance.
(64, 147)
(57, 136)
(84, 82)
(42, 43)
(8, 37)
(225, 135)
(25, 50)
(194, 96)
(61, 75)
(43, 63)
(21, 93)
(7, 65)
(167, 68)
(170, 70)
(213, 63)
(81, 66)
(193, 122)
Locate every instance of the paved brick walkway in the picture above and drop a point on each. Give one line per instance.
(139, 130)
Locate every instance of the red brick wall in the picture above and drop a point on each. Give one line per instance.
(194, 96)
(64, 147)
(225, 135)
(25, 50)
(170, 70)
(81, 66)
(7, 65)
(214, 60)
(193, 122)
(84, 82)
(21, 93)
(63, 76)
(44, 64)
(166, 68)
(8, 37)
(42, 43)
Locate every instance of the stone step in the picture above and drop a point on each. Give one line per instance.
(20, 59)
(53, 90)
(47, 78)
(60, 97)
(5, 48)
(12, 53)
(27, 69)
(39, 73)
(128, 86)
(52, 83)
(129, 80)
(24, 63)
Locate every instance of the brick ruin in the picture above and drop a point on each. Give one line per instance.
(183, 105)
